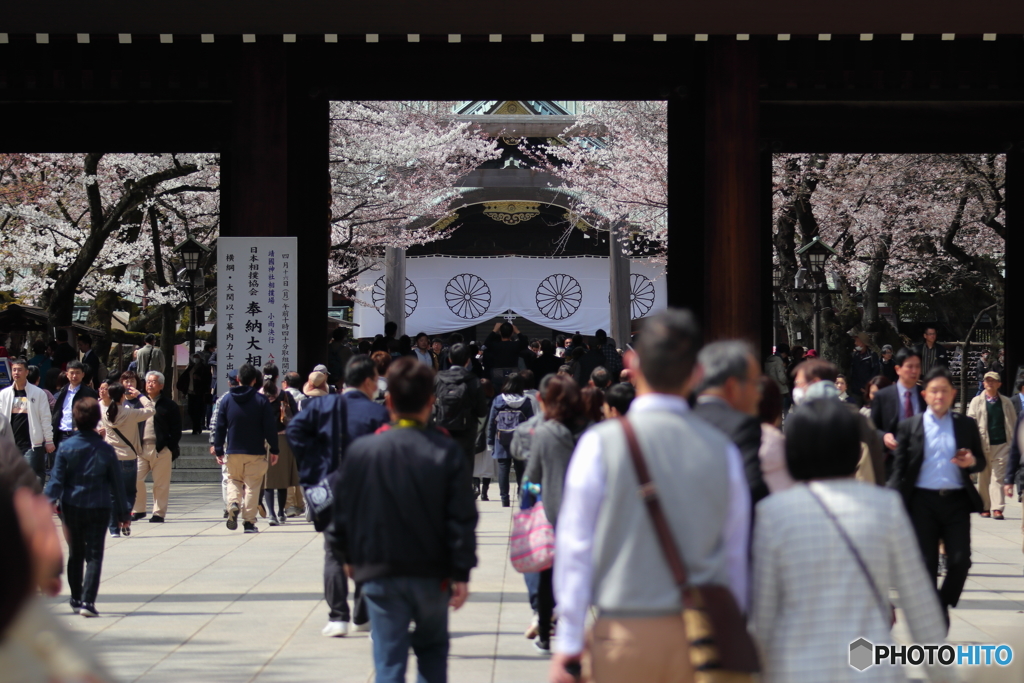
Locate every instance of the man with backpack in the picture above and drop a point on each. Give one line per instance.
(459, 401)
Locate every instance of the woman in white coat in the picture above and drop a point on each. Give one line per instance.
(812, 597)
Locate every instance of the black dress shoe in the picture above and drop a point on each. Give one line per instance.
(136, 516)
(156, 519)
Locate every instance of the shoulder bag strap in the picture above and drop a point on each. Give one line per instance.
(882, 603)
(648, 492)
(125, 439)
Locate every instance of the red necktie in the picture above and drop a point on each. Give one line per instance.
(908, 410)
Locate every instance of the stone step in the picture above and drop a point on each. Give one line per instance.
(197, 475)
(196, 462)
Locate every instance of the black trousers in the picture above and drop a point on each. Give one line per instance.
(129, 474)
(197, 411)
(947, 518)
(87, 531)
(505, 468)
(36, 458)
(545, 603)
(336, 586)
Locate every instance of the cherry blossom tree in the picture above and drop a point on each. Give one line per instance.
(394, 169)
(99, 227)
(614, 164)
(927, 223)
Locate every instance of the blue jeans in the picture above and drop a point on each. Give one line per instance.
(129, 473)
(532, 587)
(393, 603)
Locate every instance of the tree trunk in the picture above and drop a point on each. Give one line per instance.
(167, 330)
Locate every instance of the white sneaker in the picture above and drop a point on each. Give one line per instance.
(335, 629)
(363, 628)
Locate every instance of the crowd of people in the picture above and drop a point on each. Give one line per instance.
(776, 486)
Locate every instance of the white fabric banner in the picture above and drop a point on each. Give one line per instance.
(256, 298)
(448, 293)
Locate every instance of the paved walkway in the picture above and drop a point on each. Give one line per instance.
(189, 600)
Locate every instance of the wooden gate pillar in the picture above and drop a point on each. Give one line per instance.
(733, 241)
(275, 180)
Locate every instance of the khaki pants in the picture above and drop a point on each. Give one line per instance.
(160, 465)
(652, 650)
(990, 480)
(245, 477)
(295, 498)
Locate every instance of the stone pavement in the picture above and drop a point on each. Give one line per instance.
(189, 600)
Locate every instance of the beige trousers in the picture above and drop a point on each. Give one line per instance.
(160, 465)
(245, 477)
(652, 650)
(295, 498)
(990, 480)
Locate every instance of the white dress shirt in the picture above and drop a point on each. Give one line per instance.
(577, 520)
(938, 471)
(66, 422)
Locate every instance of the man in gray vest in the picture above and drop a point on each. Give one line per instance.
(607, 551)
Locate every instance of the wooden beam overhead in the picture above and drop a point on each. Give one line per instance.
(466, 17)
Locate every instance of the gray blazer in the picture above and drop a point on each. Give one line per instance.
(810, 597)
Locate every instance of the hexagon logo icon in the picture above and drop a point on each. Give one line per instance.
(861, 652)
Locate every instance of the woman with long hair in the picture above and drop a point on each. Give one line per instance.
(508, 410)
(554, 439)
(285, 473)
(86, 477)
(121, 429)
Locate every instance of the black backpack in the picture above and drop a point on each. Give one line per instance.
(452, 407)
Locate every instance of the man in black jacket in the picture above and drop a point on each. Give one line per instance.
(502, 350)
(405, 512)
(936, 453)
(898, 402)
(74, 391)
(460, 402)
(729, 397)
(160, 448)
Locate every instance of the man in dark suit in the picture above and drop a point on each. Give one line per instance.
(894, 404)
(73, 391)
(91, 361)
(936, 453)
(730, 394)
(324, 428)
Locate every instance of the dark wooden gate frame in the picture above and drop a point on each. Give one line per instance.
(732, 103)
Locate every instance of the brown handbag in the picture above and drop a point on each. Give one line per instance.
(721, 648)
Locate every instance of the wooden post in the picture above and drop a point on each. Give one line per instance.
(1014, 283)
(733, 240)
(394, 288)
(621, 304)
(686, 189)
(275, 179)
